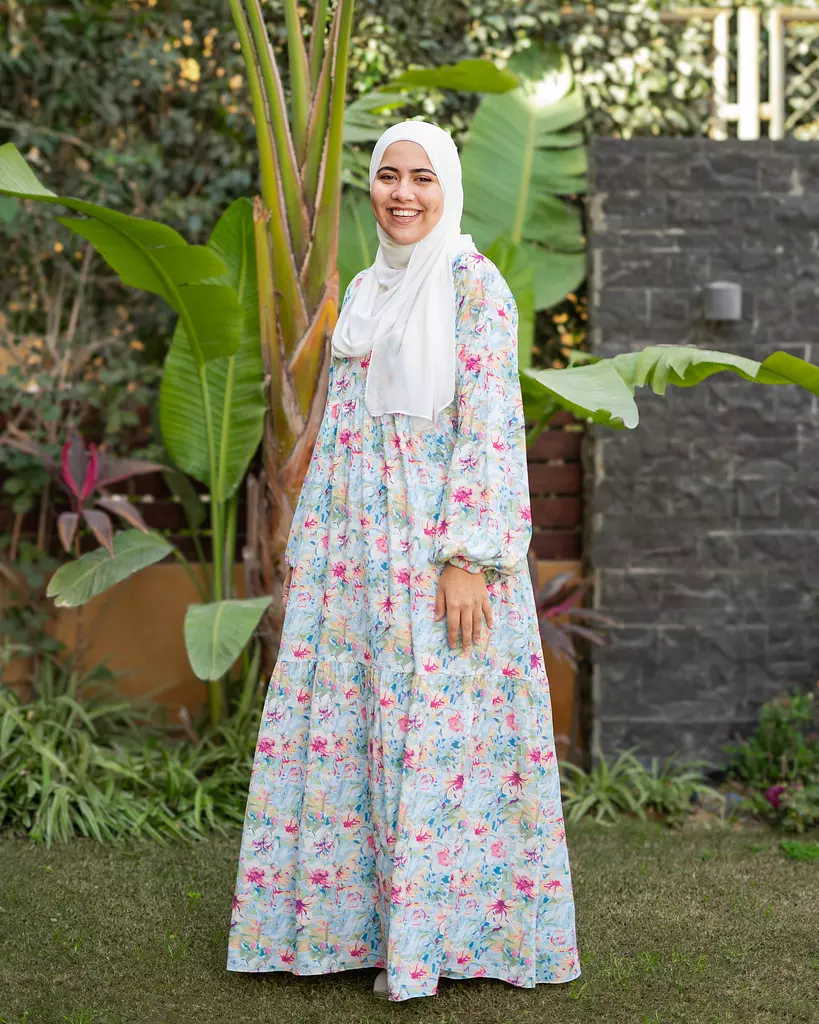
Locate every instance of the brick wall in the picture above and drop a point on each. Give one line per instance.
(703, 522)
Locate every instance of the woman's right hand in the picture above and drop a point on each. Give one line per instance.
(286, 587)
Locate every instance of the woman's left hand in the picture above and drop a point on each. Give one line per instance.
(462, 596)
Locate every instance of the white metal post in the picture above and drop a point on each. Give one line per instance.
(776, 74)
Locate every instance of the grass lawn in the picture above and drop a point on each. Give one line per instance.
(705, 926)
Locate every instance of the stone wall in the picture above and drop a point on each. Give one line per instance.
(703, 522)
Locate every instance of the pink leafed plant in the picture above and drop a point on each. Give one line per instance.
(84, 470)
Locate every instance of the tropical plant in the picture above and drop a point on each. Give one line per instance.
(560, 614)
(81, 472)
(211, 390)
(626, 786)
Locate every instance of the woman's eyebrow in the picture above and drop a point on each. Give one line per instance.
(415, 170)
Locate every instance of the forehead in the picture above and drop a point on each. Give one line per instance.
(406, 154)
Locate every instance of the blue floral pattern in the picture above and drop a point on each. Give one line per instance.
(404, 807)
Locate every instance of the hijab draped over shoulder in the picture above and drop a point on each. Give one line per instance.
(403, 310)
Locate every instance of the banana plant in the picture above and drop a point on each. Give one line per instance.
(211, 402)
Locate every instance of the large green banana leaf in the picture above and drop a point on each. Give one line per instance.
(235, 388)
(602, 390)
(524, 150)
(215, 634)
(146, 255)
(469, 75)
(76, 582)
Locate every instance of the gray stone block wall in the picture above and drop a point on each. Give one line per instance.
(703, 522)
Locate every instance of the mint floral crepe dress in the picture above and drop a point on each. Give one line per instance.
(404, 807)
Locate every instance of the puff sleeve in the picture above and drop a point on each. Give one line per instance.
(485, 520)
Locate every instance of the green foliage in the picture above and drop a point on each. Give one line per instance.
(779, 764)
(77, 760)
(24, 612)
(797, 850)
(626, 786)
(216, 634)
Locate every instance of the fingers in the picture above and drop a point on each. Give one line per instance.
(440, 603)
(453, 622)
(487, 611)
(466, 629)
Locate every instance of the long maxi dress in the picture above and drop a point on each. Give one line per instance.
(404, 806)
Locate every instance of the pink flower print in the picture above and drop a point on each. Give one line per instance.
(437, 701)
(497, 699)
(238, 903)
(431, 665)
(525, 885)
(339, 571)
(526, 513)
(481, 829)
(319, 877)
(512, 722)
(480, 973)
(535, 660)
(351, 822)
(500, 909)
(445, 858)
(515, 781)
(558, 938)
(443, 527)
(356, 952)
(365, 360)
(345, 436)
(267, 746)
(387, 700)
(395, 895)
(302, 907)
(533, 755)
(292, 827)
(456, 785)
(464, 958)
(381, 544)
(303, 696)
(463, 495)
(553, 885)
(371, 842)
(287, 957)
(255, 876)
(302, 651)
(319, 746)
(498, 445)
(497, 848)
(404, 723)
(310, 521)
(388, 605)
(431, 529)
(455, 722)
(402, 577)
(473, 363)
(418, 973)
(423, 836)
(409, 757)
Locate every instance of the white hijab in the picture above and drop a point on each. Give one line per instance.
(403, 311)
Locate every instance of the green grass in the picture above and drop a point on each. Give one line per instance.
(706, 926)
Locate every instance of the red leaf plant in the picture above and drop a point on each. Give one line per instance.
(83, 470)
(561, 616)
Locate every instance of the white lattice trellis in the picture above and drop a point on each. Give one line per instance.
(790, 79)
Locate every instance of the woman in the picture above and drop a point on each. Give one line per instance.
(404, 809)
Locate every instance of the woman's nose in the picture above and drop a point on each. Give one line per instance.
(401, 190)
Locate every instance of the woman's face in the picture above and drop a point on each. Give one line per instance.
(407, 198)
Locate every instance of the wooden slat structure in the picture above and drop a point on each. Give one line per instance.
(556, 489)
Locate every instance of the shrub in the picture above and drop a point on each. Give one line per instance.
(628, 787)
(779, 764)
(78, 760)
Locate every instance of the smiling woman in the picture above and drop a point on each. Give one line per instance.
(404, 810)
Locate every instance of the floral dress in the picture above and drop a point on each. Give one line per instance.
(404, 806)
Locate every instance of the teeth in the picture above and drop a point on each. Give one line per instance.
(404, 213)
